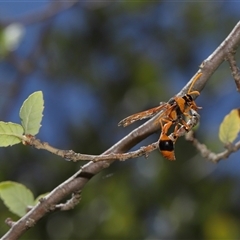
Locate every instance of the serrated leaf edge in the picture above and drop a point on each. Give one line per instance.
(21, 109)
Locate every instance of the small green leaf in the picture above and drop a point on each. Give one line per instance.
(16, 197)
(10, 134)
(31, 113)
(230, 127)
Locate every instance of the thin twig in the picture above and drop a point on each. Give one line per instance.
(207, 153)
(70, 155)
(234, 69)
(71, 203)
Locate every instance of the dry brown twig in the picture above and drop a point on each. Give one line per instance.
(207, 153)
(234, 69)
(70, 155)
(71, 203)
(77, 182)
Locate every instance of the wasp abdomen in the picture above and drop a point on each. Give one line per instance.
(167, 149)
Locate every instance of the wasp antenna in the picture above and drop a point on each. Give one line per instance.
(199, 74)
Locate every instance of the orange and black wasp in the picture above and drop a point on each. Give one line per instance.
(167, 142)
(173, 113)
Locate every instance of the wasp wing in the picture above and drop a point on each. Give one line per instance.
(142, 115)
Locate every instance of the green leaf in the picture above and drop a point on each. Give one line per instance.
(31, 113)
(10, 134)
(16, 197)
(230, 127)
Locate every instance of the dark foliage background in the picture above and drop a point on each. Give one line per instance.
(97, 63)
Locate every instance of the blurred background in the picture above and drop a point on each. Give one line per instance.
(96, 63)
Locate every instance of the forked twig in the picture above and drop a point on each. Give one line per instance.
(71, 203)
(207, 153)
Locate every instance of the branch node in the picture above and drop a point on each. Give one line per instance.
(10, 222)
(70, 155)
(30, 223)
(42, 199)
(71, 203)
(230, 147)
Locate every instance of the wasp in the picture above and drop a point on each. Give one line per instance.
(173, 113)
(167, 142)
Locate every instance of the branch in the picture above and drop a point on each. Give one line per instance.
(207, 153)
(70, 155)
(77, 182)
(71, 203)
(235, 70)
